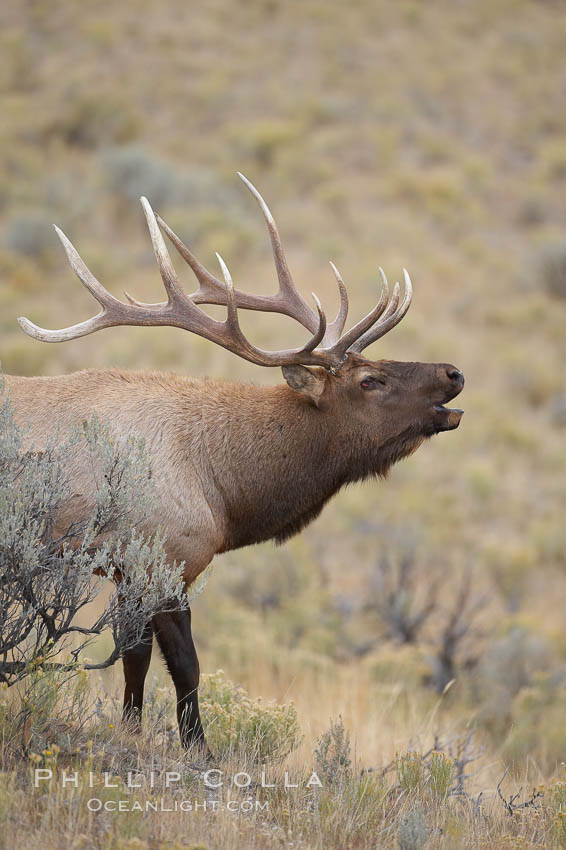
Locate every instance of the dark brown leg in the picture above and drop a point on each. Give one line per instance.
(173, 633)
(136, 664)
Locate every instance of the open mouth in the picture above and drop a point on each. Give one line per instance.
(449, 417)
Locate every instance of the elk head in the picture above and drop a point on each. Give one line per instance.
(394, 402)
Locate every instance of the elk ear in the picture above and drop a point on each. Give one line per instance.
(305, 381)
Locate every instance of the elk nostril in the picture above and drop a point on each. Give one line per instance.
(455, 375)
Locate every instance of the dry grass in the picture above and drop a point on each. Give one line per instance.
(373, 790)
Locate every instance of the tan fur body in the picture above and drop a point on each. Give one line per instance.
(233, 464)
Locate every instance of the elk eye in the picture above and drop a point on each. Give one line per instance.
(370, 383)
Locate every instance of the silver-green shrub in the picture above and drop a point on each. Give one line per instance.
(47, 576)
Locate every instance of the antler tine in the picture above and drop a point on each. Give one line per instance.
(390, 318)
(111, 306)
(168, 274)
(83, 273)
(258, 355)
(135, 303)
(287, 290)
(344, 344)
(211, 290)
(389, 310)
(335, 328)
(232, 320)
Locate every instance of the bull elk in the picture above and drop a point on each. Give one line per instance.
(236, 464)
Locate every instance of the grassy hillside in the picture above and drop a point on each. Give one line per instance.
(431, 136)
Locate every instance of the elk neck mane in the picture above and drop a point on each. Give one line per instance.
(275, 458)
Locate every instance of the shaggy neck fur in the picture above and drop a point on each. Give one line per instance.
(277, 460)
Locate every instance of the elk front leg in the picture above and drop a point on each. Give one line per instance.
(136, 664)
(174, 636)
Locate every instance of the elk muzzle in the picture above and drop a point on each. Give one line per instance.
(447, 418)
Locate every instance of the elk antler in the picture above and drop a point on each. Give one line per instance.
(182, 310)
